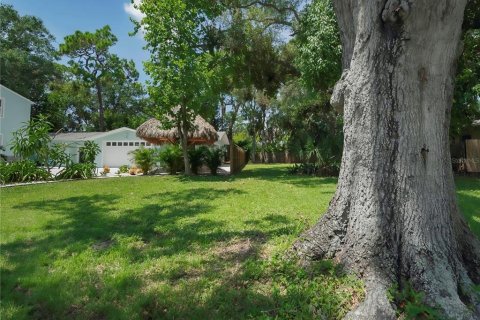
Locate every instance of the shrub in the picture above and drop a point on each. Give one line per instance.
(196, 157)
(88, 152)
(213, 159)
(32, 140)
(78, 171)
(58, 156)
(144, 158)
(123, 169)
(171, 157)
(22, 171)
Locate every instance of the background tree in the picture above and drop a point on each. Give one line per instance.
(70, 103)
(394, 218)
(27, 57)
(313, 129)
(466, 106)
(180, 68)
(92, 62)
(318, 48)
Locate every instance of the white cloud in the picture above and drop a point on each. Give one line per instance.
(132, 11)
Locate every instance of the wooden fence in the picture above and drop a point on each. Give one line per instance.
(277, 157)
(472, 162)
(238, 159)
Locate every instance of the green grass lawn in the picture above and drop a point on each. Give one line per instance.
(174, 248)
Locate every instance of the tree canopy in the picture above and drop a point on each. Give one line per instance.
(113, 79)
(28, 56)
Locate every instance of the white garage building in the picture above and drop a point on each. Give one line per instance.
(115, 145)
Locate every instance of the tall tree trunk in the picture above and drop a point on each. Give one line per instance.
(233, 119)
(254, 145)
(101, 117)
(394, 215)
(183, 131)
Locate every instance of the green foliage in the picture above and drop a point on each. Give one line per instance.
(196, 157)
(144, 158)
(123, 169)
(21, 171)
(58, 155)
(27, 57)
(304, 168)
(32, 140)
(112, 78)
(88, 152)
(318, 46)
(180, 66)
(89, 52)
(466, 105)
(213, 159)
(313, 128)
(171, 156)
(78, 171)
(411, 303)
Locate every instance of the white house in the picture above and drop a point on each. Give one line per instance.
(222, 139)
(14, 113)
(115, 145)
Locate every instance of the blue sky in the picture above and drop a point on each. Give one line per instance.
(64, 17)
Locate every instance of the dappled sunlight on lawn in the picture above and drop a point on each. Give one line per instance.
(174, 247)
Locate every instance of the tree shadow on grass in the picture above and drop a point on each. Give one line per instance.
(71, 268)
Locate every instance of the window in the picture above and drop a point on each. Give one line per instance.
(109, 144)
(142, 143)
(114, 144)
(125, 144)
(148, 144)
(119, 144)
(130, 144)
(137, 144)
(2, 107)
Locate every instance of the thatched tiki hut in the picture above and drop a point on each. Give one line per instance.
(201, 133)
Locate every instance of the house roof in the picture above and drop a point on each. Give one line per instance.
(222, 138)
(85, 136)
(202, 133)
(15, 93)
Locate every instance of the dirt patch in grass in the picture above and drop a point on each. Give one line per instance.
(102, 245)
(237, 250)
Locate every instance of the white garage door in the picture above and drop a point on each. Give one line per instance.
(116, 153)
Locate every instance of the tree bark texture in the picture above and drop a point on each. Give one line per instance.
(101, 116)
(394, 215)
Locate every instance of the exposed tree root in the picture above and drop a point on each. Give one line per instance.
(446, 282)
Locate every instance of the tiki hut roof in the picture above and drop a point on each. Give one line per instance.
(151, 131)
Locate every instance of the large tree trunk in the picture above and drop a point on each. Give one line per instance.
(394, 215)
(101, 116)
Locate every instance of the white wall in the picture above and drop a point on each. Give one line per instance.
(16, 111)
